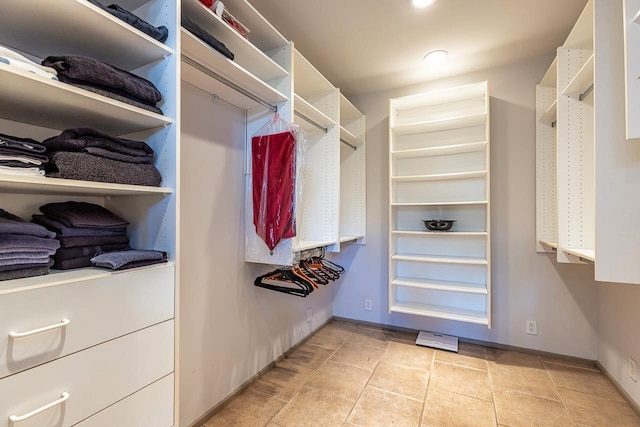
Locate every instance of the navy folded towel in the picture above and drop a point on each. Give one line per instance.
(120, 259)
(82, 214)
(203, 35)
(23, 242)
(26, 145)
(12, 224)
(62, 230)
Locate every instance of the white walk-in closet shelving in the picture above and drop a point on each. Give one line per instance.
(439, 170)
(90, 346)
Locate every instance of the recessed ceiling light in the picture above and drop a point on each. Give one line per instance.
(435, 57)
(422, 3)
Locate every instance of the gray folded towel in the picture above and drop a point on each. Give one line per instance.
(118, 259)
(22, 242)
(12, 224)
(84, 69)
(24, 273)
(72, 242)
(47, 264)
(24, 254)
(83, 215)
(20, 261)
(62, 230)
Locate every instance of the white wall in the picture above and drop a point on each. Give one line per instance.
(229, 329)
(526, 285)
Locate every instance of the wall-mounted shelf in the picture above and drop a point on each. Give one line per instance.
(441, 151)
(312, 119)
(440, 259)
(440, 312)
(440, 124)
(441, 285)
(586, 254)
(304, 245)
(445, 234)
(582, 82)
(550, 116)
(440, 177)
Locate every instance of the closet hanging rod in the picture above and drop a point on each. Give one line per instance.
(348, 143)
(229, 83)
(586, 93)
(313, 122)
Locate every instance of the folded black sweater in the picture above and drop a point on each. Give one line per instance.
(159, 33)
(26, 145)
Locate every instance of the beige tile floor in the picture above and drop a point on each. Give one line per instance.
(354, 375)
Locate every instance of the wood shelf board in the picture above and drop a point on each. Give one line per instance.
(440, 312)
(441, 124)
(441, 151)
(437, 259)
(246, 54)
(304, 245)
(551, 114)
(582, 80)
(348, 112)
(46, 185)
(441, 285)
(303, 107)
(471, 202)
(44, 102)
(262, 34)
(49, 33)
(588, 254)
(64, 277)
(350, 138)
(452, 234)
(440, 177)
(307, 80)
(210, 85)
(553, 245)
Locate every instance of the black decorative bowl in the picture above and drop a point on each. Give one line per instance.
(438, 224)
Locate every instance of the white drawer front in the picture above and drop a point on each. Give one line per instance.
(150, 407)
(97, 310)
(94, 378)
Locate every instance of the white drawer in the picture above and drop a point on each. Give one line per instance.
(98, 310)
(94, 379)
(150, 407)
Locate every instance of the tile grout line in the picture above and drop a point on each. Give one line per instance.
(493, 394)
(426, 392)
(557, 390)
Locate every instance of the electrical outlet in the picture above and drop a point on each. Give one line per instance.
(633, 371)
(532, 327)
(309, 315)
(367, 304)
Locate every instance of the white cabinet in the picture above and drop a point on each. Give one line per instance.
(632, 67)
(109, 349)
(439, 170)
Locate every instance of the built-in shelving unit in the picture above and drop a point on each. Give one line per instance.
(439, 169)
(632, 67)
(124, 322)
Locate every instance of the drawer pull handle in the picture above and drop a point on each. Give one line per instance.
(63, 397)
(62, 324)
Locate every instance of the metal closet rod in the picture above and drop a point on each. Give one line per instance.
(586, 93)
(348, 143)
(313, 122)
(229, 83)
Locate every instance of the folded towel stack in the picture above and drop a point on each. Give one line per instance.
(25, 248)
(159, 33)
(123, 260)
(21, 156)
(206, 37)
(83, 230)
(89, 155)
(105, 79)
(22, 64)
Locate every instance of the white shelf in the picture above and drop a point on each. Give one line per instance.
(441, 233)
(441, 151)
(262, 34)
(210, 59)
(349, 138)
(636, 17)
(551, 115)
(346, 239)
(348, 112)
(582, 80)
(64, 277)
(587, 254)
(440, 176)
(440, 259)
(552, 245)
(441, 124)
(60, 31)
(304, 245)
(441, 285)
(246, 54)
(44, 102)
(46, 185)
(471, 202)
(440, 312)
(303, 107)
(308, 81)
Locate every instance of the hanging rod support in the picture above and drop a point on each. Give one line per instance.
(554, 124)
(229, 83)
(313, 122)
(348, 144)
(586, 93)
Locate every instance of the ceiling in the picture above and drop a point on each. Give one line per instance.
(365, 46)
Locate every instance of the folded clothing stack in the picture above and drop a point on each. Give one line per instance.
(123, 260)
(25, 248)
(90, 155)
(23, 64)
(159, 33)
(83, 231)
(105, 79)
(21, 156)
(203, 35)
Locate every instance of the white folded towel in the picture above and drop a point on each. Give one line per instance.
(11, 57)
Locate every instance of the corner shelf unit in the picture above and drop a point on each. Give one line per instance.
(565, 149)
(36, 107)
(439, 169)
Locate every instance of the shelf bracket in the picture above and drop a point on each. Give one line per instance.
(313, 122)
(229, 83)
(586, 93)
(554, 123)
(348, 144)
